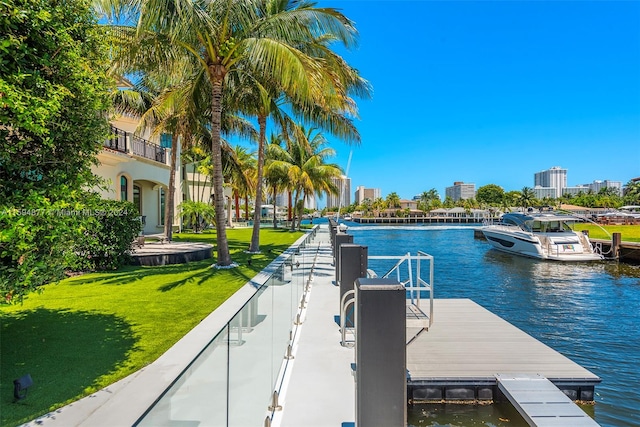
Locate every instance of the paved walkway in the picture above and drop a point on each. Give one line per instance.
(319, 390)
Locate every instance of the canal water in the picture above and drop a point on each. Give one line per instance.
(590, 312)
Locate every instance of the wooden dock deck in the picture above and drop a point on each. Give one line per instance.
(466, 347)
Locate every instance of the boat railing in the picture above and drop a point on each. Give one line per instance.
(410, 271)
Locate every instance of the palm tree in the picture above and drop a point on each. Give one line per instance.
(264, 98)
(171, 110)
(393, 200)
(378, 204)
(239, 36)
(303, 163)
(632, 193)
(275, 178)
(427, 198)
(243, 177)
(527, 197)
(366, 206)
(197, 212)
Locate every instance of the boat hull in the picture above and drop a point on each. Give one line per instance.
(560, 247)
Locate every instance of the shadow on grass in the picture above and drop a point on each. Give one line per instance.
(65, 352)
(198, 271)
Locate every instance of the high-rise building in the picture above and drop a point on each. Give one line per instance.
(344, 193)
(461, 191)
(282, 199)
(544, 192)
(573, 191)
(366, 193)
(556, 178)
(310, 202)
(596, 186)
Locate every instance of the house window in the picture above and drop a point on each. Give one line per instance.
(136, 198)
(123, 188)
(161, 205)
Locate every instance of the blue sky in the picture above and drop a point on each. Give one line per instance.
(490, 92)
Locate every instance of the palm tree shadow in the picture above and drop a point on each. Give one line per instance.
(131, 274)
(65, 352)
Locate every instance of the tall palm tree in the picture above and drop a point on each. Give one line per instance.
(275, 178)
(303, 163)
(243, 175)
(240, 36)
(264, 98)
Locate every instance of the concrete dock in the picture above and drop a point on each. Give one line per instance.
(457, 359)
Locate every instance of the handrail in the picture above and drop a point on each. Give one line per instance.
(344, 303)
(415, 286)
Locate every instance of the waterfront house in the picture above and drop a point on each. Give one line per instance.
(136, 169)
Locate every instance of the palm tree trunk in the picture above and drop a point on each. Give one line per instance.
(255, 235)
(193, 189)
(198, 197)
(275, 217)
(246, 207)
(168, 200)
(237, 200)
(290, 207)
(217, 73)
(295, 205)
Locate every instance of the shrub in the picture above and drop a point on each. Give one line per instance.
(108, 231)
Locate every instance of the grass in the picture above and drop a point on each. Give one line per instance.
(629, 233)
(89, 331)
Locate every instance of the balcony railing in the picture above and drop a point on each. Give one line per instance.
(118, 140)
(126, 142)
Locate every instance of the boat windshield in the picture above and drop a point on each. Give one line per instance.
(547, 226)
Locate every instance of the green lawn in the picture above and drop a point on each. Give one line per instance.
(629, 233)
(89, 331)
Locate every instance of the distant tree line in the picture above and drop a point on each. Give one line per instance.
(492, 195)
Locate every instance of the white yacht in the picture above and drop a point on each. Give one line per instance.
(540, 235)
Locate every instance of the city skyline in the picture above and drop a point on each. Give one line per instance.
(322, 203)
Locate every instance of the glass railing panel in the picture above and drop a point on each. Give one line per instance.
(250, 373)
(283, 318)
(199, 396)
(232, 382)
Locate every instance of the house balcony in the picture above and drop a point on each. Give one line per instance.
(128, 143)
